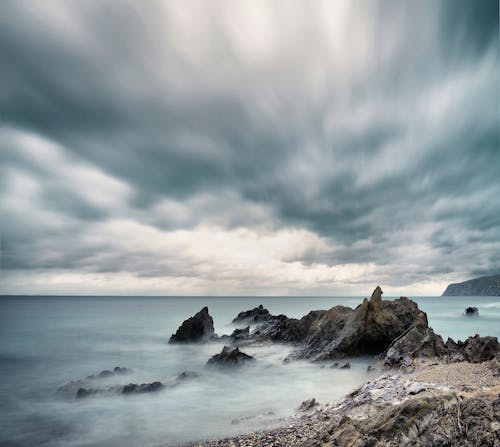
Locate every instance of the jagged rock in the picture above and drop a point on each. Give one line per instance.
(427, 421)
(471, 312)
(256, 315)
(480, 349)
(134, 388)
(419, 340)
(72, 388)
(199, 328)
(345, 365)
(341, 331)
(230, 357)
(308, 404)
(240, 334)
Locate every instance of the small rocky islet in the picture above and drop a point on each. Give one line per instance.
(409, 404)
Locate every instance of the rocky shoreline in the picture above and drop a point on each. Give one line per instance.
(438, 404)
(429, 392)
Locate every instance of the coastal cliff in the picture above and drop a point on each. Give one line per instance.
(483, 286)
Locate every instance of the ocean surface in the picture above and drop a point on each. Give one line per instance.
(48, 341)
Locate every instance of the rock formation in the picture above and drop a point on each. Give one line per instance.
(341, 331)
(229, 358)
(199, 328)
(256, 315)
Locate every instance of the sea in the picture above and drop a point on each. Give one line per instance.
(47, 341)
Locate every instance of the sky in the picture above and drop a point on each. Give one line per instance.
(238, 147)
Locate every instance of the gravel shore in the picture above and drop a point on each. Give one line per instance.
(420, 405)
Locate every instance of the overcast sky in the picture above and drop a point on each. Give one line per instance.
(248, 147)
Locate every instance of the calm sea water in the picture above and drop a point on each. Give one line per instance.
(47, 341)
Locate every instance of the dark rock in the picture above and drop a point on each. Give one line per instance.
(341, 331)
(480, 349)
(240, 334)
(134, 388)
(106, 373)
(230, 357)
(83, 392)
(345, 365)
(120, 370)
(471, 312)
(419, 340)
(256, 315)
(199, 328)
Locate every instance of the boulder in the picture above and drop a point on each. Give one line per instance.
(230, 357)
(471, 312)
(199, 328)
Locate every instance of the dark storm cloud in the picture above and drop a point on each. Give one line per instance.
(374, 131)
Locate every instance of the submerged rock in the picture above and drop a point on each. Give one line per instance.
(134, 388)
(199, 328)
(345, 365)
(230, 357)
(186, 375)
(471, 312)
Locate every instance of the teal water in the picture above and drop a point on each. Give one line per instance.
(47, 341)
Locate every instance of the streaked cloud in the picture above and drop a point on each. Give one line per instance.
(224, 147)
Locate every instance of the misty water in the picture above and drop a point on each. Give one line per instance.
(48, 341)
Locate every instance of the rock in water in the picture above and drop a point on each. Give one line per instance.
(471, 312)
(134, 388)
(256, 315)
(341, 331)
(230, 357)
(308, 404)
(199, 328)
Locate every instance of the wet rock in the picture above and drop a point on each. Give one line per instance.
(230, 358)
(256, 315)
(308, 404)
(345, 365)
(83, 393)
(199, 328)
(471, 312)
(107, 373)
(240, 334)
(368, 329)
(134, 388)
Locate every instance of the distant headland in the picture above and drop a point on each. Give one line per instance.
(483, 286)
